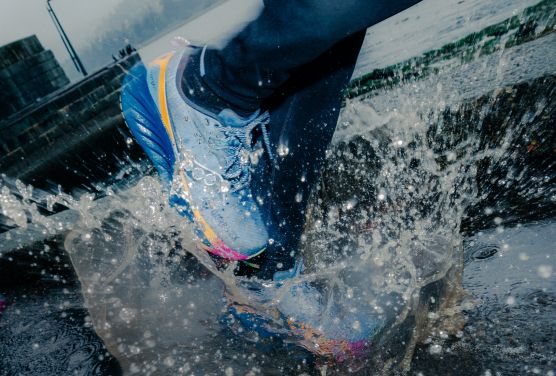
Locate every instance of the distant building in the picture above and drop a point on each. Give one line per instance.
(28, 72)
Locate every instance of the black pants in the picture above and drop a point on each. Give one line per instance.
(303, 116)
(287, 35)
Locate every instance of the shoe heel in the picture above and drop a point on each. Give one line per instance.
(143, 120)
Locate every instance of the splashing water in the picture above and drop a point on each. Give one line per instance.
(411, 169)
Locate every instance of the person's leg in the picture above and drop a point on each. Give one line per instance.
(200, 139)
(287, 35)
(303, 117)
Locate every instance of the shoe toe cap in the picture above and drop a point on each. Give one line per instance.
(240, 238)
(250, 240)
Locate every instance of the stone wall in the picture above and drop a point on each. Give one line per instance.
(28, 72)
(46, 141)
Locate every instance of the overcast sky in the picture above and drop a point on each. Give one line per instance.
(80, 19)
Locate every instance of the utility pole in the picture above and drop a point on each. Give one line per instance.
(74, 57)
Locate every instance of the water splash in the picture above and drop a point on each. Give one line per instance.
(407, 168)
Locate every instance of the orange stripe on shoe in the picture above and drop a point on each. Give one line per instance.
(218, 247)
(162, 62)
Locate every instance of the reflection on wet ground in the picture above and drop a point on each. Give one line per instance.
(46, 329)
(511, 327)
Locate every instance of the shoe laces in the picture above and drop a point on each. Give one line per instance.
(237, 142)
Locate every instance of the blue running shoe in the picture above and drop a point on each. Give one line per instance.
(297, 312)
(203, 158)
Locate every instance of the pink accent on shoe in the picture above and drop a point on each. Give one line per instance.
(221, 250)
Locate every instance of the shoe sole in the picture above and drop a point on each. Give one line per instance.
(299, 333)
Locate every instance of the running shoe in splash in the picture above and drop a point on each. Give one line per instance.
(296, 312)
(203, 158)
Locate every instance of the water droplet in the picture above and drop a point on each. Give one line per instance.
(127, 314)
(350, 204)
(169, 361)
(544, 271)
(298, 197)
(244, 157)
(510, 300)
(435, 349)
(185, 368)
(225, 186)
(283, 150)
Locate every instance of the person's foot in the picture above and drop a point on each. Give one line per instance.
(203, 158)
(301, 314)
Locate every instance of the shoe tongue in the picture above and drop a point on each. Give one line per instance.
(231, 119)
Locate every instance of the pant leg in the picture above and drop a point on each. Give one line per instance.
(303, 116)
(287, 34)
